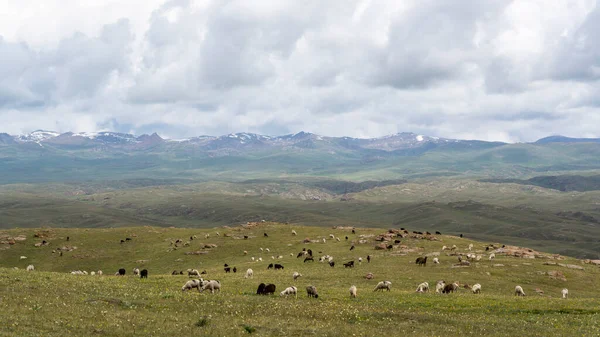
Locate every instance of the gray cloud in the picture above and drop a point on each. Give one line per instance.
(493, 70)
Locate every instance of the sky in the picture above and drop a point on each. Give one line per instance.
(499, 70)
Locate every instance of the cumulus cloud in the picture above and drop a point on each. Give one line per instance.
(493, 70)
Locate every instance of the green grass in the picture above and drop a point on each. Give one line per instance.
(51, 302)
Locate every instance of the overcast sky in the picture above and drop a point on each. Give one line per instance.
(492, 70)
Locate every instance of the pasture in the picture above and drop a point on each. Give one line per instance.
(51, 302)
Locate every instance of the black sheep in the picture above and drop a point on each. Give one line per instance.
(421, 261)
(144, 273)
(266, 235)
(369, 258)
(127, 239)
(349, 264)
(438, 233)
(227, 269)
(309, 252)
(245, 237)
(68, 238)
(332, 264)
(300, 254)
(270, 266)
(175, 272)
(122, 272)
(352, 247)
(353, 231)
(234, 269)
(261, 289)
(278, 266)
(461, 235)
(269, 289)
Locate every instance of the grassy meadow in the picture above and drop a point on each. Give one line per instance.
(51, 302)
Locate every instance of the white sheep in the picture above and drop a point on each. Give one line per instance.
(476, 288)
(136, 271)
(338, 239)
(289, 291)
(245, 252)
(261, 249)
(324, 241)
(206, 236)
(330, 259)
(360, 260)
(218, 234)
(191, 284)
(439, 286)
(332, 236)
(249, 273)
(470, 246)
(267, 249)
(292, 254)
(272, 257)
(296, 275)
(519, 291)
(260, 259)
(436, 260)
(383, 285)
(453, 247)
(23, 257)
(99, 273)
(252, 259)
(211, 285)
(92, 273)
(30, 267)
(478, 257)
(565, 293)
(85, 272)
(353, 291)
(444, 247)
(193, 272)
(423, 287)
(492, 256)
(294, 232)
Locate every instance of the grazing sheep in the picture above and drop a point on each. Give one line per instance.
(565, 293)
(93, 273)
(369, 258)
(311, 291)
(22, 257)
(267, 249)
(369, 276)
(302, 253)
(260, 259)
(438, 233)
(278, 266)
(352, 247)
(289, 291)
(331, 236)
(252, 259)
(519, 291)
(234, 269)
(227, 269)
(270, 266)
(268, 289)
(439, 286)
(383, 285)
(453, 247)
(332, 264)
(444, 247)
(478, 257)
(492, 256)
(99, 272)
(294, 232)
(280, 257)
(121, 272)
(193, 272)
(30, 267)
(436, 260)
(249, 273)
(360, 260)
(211, 285)
(450, 288)
(136, 272)
(423, 287)
(421, 261)
(476, 289)
(349, 264)
(191, 284)
(353, 291)
(265, 235)
(144, 273)
(470, 246)
(309, 251)
(261, 249)
(324, 241)
(245, 252)
(338, 239)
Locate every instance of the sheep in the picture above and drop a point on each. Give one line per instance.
(249, 273)
(338, 239)
(270, 266)
(278, 266)
(565, 293)
(260, 259)
(352, 247)
(280, 257)
(332, 264)
(423, 287)
(519, 291)
(193, 272)
(267, 249)
(234, 269)
(330, 259)
(289, 291)
(264, 289)
(492, 256)
(296, 275)
(93, 273)
(353, 291)
(439, 286)
(438, 233)
(191, 284)
(261, 249)
(265, 235)
(22, 257)
(99, 273)
(478, 257)
(360, 260)
(85, 272)
(227, 269)
(450, 288)
(310, 258)
(349, 264)
(444, 247)
(311, 291)
(369, 276)
(369, 258)
(476, 288)
(252, 258)
(421, 261)
(309, 251)
(453, 247)
(294, 232)
(144, 273)
(121, 272)
(436, 260)
(383, 285)
(30, 267)
(470, 246)
(245, 252)
(211, 285)
(136, 272)
(324, 241)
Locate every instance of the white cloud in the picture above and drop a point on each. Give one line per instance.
(494, 70)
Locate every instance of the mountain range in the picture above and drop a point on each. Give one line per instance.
(52, 156)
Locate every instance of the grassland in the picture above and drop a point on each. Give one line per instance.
(52, 302)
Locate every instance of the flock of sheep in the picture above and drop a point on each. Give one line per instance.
(265, 289)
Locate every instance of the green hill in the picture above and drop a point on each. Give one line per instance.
(51, 302)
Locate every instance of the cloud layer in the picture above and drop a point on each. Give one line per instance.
(492, 70)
